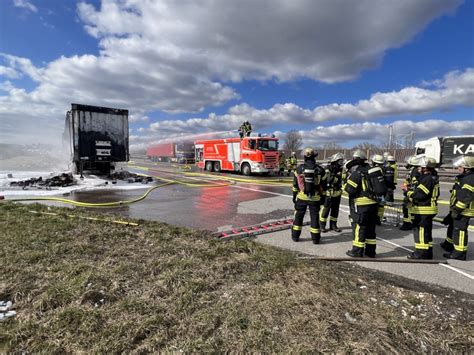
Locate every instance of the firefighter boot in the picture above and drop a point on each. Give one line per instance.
(455, 255)
(333, 226)
(420, 255)
(406, 226)
(447, 246)
(323, 227)
(355, 252)
(316, 238)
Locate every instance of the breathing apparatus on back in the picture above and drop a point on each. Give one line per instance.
(310, 172)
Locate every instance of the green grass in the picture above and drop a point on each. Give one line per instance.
(91, 286)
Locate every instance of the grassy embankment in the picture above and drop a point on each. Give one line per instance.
(91, 286)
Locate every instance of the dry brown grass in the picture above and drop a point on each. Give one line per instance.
(90, 286)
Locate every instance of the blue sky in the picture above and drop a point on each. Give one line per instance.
(337, 71)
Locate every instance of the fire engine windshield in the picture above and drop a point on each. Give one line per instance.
(267, 144)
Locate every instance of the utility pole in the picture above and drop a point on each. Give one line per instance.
(390, 137)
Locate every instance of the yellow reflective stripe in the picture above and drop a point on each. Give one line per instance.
(409, 193)
(424, 189)
(449, 240)
(406, 219)
(336, 193)
(461, 247)
(333, 219)
(371, 241)
(356, 241)
(422, 235)
(297, 228)
(302, 196)
(352, 183)
(422, 246)
(295, 189)
(314, 230)
(468, 213)
(360, 201)
(468, 187)
(461, 205)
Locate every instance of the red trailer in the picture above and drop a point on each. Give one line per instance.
(247, 155)
(182, 152)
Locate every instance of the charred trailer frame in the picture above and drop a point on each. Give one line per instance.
(97, 136)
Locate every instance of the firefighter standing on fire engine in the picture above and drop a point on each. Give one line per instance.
(308, 186)
(333, 193)
(424, 199)
(364, 212)
(461, 210)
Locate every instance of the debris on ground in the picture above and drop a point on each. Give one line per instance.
(5, 311)
(61, 180)
(130, 177)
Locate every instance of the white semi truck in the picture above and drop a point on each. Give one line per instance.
(445, 149)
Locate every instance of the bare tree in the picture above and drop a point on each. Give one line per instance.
(293, 141)
(332, 146)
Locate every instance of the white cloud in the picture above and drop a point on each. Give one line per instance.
(379, 133)
(328, 41)
(456, 88)
(25, 4)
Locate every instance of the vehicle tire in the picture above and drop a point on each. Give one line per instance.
(217, 167)
(245, 169)
(209, 165)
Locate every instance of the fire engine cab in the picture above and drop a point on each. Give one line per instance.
(247, 155)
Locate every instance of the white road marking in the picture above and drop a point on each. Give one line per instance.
(457, 270)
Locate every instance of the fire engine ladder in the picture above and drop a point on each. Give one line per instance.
(257, 229)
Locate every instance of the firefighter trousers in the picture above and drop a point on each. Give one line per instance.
(331, 204)
(300, 210)
(363, 231)
(407, 217)
(457, 234)
(423, 234)
(389, 195)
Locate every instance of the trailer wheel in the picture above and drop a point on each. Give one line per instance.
(209, 165)
(217, 167)
(246, 169)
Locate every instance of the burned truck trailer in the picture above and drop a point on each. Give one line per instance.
(97, 137)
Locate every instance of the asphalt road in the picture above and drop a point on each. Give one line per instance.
(245, 203)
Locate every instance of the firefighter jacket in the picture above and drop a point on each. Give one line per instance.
(357, 187)
(411, 179)
(293, 161)
(319, 182)
(462, 194)
(282, 161)
(424, 196)
(391, 175)
(333, 182)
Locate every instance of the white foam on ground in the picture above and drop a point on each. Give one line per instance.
(89, 183)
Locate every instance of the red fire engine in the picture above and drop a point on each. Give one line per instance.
(247, 155)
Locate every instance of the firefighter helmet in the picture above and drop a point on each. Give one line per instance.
(334, 158)
(293, 153)
(391, 159)
(412, 160)
(377, 159)
(308, 152)
(464, 161)
(427, 162)
(359, 154)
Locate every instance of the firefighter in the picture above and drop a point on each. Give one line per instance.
(461, 210)
(391, 176)
(349, 167)
(379, 161)
(409, 184)
(282, 163)
(364, 212)
(424, 199)
(242, 130)
(333, 193)
(248, 128)
(292, 163)
(307, 191)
